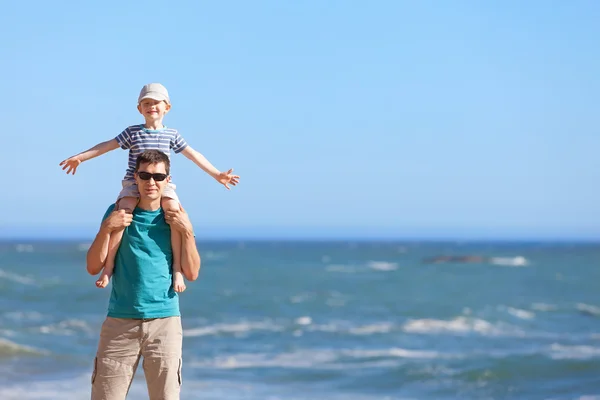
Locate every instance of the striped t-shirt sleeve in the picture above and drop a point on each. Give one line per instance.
(178, 143)
(124, 139)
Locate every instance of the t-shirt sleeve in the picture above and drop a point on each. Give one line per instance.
(178, 143)
(124, 139)
(108, 211)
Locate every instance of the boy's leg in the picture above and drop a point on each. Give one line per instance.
(128, 204)
(169, 204)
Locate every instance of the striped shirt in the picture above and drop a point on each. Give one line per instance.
(138, 139)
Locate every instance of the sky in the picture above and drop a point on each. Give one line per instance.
(385, 119)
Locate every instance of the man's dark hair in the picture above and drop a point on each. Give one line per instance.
(153, 157)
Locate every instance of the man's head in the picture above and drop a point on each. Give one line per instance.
(152, 170)
(154, 102)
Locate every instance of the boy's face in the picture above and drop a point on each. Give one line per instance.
(153, 110)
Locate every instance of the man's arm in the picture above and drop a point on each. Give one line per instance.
(190, 258)
(96, 255)
(73, 162)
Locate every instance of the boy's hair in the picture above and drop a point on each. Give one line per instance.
(153, 157)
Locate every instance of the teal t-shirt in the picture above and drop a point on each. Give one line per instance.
(142, 285)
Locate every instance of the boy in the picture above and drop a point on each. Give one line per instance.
(153, 104)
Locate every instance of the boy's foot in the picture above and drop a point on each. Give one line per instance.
(178, 283)
(103, 281)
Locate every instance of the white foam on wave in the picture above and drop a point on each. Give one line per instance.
(67, 327)
(303, 320)
(241, 328)
(8, 348)
(382, 265)
(562, 352)
(22, 279)
(518, 261)
(369, 266)
(522, 314)
(459, 325)
(78, 387)
(24, 315)
(323, 359)
(587, 308)
(366, 330)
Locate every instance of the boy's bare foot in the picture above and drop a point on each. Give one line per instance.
(102, 282)
(178, 283)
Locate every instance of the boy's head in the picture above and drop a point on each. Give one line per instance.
(154, 102)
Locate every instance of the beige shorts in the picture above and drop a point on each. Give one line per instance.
(123, 342)
(130, 189)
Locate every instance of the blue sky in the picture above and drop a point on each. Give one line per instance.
(392, 119)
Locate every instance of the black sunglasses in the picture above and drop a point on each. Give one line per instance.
(145, 176)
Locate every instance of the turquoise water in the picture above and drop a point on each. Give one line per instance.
(327, 320)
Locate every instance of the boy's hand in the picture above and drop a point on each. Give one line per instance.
(70, 163)
(117, 220)
(179, 220)
(226, 178)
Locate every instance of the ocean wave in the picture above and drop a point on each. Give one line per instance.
(67, 327)
(22, 279)
(562, 352)
(382, 265)
(323, 359)
(240, 328)
(24, 315)
(11, 349)
(460, 325)
(521, 314)
(369, 266)
(518, 261)
(588, 309)
(366, 330)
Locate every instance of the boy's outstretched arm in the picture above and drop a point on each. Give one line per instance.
(224, 178)
(73, 162)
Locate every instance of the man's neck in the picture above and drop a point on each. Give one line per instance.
(149, 205)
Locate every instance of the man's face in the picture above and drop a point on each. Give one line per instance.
(148, 178)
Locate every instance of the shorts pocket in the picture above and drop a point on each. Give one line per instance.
(95, 371)
(179, 372)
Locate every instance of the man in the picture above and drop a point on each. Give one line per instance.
(143, 312)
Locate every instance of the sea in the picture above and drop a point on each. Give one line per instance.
(303, 320)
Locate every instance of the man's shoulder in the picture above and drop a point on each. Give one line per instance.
(108, 211)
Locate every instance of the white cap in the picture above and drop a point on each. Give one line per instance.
(154, 91)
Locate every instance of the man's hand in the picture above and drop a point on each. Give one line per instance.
(226, 178)
(179, 220)
(117, 220)
(71, 163)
